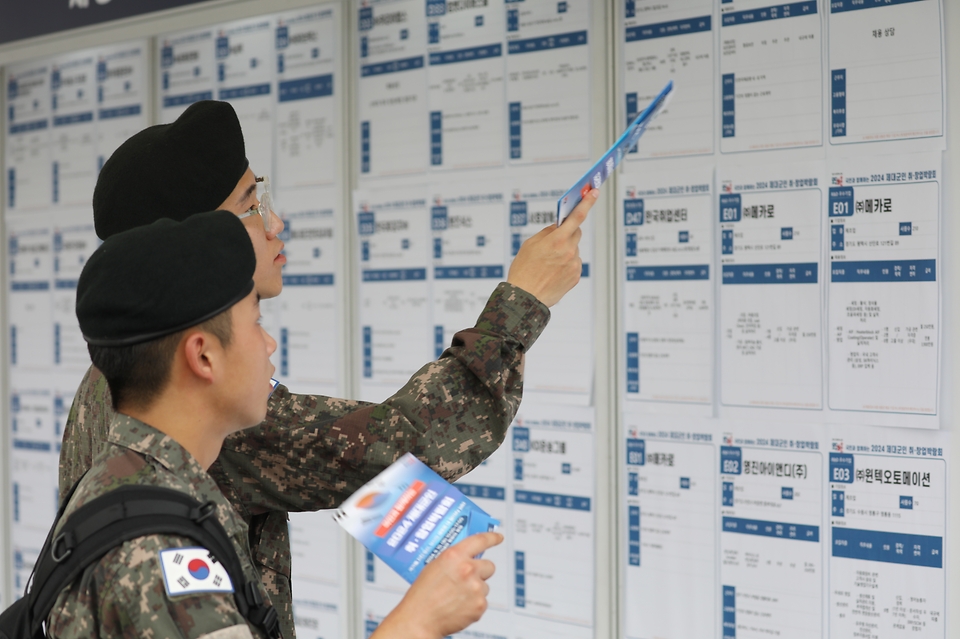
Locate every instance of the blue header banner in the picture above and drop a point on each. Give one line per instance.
(668, 273)
(395, 275)
(311, 279)
(884, 271)
(319, 86)
(494, 271)
(776, 12)
(22, 20)
(546, 43)
(666, 29)
(76, 118)
(395, 66)
(799, 273)
(467, 55)
(888, 547)
(27, 127)
(119, 112)
(799, 532)
(840, 6)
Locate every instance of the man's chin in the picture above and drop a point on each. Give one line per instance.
(272, 289)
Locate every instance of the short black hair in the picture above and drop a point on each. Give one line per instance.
(137, 374)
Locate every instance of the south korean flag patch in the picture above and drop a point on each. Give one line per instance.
(188, 571)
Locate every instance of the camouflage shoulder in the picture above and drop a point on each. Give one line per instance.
(118, 467)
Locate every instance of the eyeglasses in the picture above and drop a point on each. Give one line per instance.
(265, 208)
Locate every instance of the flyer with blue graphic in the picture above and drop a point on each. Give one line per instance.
(408, 514)
(607, 164)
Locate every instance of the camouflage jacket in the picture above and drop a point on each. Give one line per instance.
(123, 595)
(312, 452)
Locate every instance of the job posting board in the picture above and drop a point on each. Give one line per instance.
(778, 357)
(66, 115)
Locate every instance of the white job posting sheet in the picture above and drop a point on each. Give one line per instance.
(376, 605)
(188, 71)
(465, 75)
(771, 518)
(553, 508)
(394, 292)
(888, 514)
(559, 367)
(246, 60)
(770, 291)
(392, 89)
(770, 65)
(666, 41)
(670, 488)
(886, 70)
(34, 455)
(317, 546)
(74, 240)
(884, 290)
(73, 136)
(316, 613)
(548, 80)
(308, 120)
(29, 177)
(307, 318)
(668, 285)
(29, 302)
(468, 247)
(121, 96)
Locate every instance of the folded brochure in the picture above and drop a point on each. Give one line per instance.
(607, 164)
(408, 514)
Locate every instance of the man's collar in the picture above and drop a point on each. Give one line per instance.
(131, 433)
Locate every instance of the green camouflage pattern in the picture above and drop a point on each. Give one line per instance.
(312, 452)
(123, 595)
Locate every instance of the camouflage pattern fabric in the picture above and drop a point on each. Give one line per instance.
(123, 595)
(312, 452)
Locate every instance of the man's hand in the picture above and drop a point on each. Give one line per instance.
(548, 263)
(449, 595)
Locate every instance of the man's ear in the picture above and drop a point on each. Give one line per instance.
(198, 352)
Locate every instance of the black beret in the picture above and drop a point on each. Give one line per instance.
(171, 170)
(155, 280)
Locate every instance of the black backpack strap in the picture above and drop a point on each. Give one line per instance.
(127, 513)
(46, 544)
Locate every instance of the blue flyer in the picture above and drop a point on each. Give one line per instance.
(607, 164)
(408, 514)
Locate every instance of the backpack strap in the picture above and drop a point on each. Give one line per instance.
(127, 513)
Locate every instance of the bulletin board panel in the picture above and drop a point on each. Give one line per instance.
(703, 419)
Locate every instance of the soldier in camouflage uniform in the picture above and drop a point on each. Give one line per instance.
(311, 452)
(185, 390)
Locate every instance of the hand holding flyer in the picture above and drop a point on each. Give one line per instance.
(407, 515)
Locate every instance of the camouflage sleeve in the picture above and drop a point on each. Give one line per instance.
(123, 596)
(312, 452)
(86, 428)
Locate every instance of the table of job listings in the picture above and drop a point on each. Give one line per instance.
(781, 472)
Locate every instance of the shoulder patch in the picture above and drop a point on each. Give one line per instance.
(188, 571)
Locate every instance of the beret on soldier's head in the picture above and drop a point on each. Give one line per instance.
(171, 170)
(155, 280)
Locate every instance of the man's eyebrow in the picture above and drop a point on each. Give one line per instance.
(250, 190)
